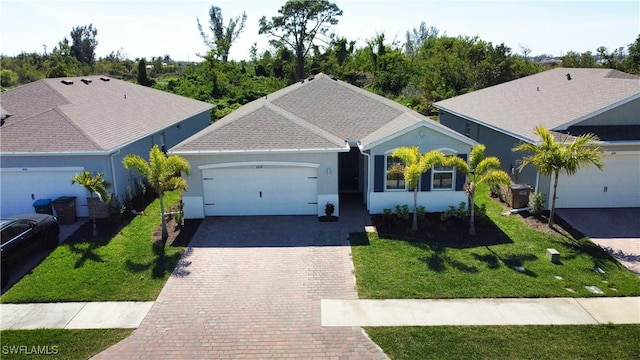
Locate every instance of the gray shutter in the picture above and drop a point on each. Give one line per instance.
(460, 177)
(378, 173)
(425, 181)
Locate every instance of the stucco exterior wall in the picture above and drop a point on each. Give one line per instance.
(498, 144)
(327, 180)
(435, 200)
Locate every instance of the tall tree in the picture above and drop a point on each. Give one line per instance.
(417, 36)
(96, 185)
(482, 170)
(83, 43)
(160, 172)
(223, 37)
(550, 157)
(414, 163)
(299, 24)
(142, 77)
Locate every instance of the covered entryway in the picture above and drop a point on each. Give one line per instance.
(618, 185)
(19, 188)
(349, 171)
(260, 189)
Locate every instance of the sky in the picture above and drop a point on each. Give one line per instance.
(147, 28)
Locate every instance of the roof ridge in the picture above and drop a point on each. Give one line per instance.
(301, 122)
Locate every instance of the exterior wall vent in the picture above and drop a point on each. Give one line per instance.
(67, 82)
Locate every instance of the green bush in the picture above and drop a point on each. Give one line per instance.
(537, 202)
(402, 212)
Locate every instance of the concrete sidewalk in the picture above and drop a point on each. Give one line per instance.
(73, 315)
(409, 312)
(464, 312)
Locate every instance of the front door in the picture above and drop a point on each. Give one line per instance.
(349, 170)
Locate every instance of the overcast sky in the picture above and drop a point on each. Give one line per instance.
(146, 28)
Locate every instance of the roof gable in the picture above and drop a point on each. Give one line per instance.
(555, 99)
(105, 113)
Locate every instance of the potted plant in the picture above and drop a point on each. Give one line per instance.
(329, 209)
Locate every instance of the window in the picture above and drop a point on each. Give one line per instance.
(395, 178)
(442, 177)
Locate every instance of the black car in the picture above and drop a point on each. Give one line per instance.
(22, 234)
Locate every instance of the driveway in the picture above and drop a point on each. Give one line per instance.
(251, 287)
(615, 230)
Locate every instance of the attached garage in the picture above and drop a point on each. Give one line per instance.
(260, 189)
(21, 186)
(617, 186)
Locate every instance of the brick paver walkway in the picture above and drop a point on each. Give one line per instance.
(250, 287)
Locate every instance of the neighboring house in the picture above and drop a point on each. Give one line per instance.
(294, 151)
(55, 128)
(569, 102)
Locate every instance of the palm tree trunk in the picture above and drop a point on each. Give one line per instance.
(414, 224)
(472, 220)
(92, 215)
(553, 199)
(165, 233)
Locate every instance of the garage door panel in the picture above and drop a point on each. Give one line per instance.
(17, 188)
(618, 185)
(260, 191)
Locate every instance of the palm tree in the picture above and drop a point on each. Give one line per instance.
(416, 163)
(550, 157)
(96, 185)
(160, 172)
(482, 170)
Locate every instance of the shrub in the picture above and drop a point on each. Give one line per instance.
(537, 203)
(421, 212)
(402, 212)
(454, 213)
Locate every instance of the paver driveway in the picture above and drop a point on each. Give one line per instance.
(250, 287)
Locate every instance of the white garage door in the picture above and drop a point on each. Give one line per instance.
(260, 190)
(617, 186)
(19, 188)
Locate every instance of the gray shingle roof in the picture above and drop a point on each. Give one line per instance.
(548, 98)
(50, 116)
(319, 113)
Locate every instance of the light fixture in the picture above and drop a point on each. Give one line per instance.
(328, 171)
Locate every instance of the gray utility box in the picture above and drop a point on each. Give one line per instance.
(520, 195)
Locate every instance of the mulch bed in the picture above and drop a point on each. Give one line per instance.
(455, 232)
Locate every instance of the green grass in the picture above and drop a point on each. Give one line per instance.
(509, 342)
(59, 343)
(125, 267)
(395, 268)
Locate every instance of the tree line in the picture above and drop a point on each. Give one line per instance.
(425, 68)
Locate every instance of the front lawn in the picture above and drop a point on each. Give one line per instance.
(389, 268)
(509, 342)
(58, 343)
(124, 267)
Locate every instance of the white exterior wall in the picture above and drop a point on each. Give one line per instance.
(433, 201)
(193, 198)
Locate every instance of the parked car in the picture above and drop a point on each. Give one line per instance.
(22, 234)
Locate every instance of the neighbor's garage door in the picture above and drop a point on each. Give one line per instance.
(260, 191)
(617, 186)
(19, 188)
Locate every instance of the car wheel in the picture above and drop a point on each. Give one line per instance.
(5, 275)
(52, 239)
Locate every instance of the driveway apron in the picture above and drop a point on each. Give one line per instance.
(251, 287)
(616, 230)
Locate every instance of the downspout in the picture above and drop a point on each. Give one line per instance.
(368, 173)
(114, 181)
